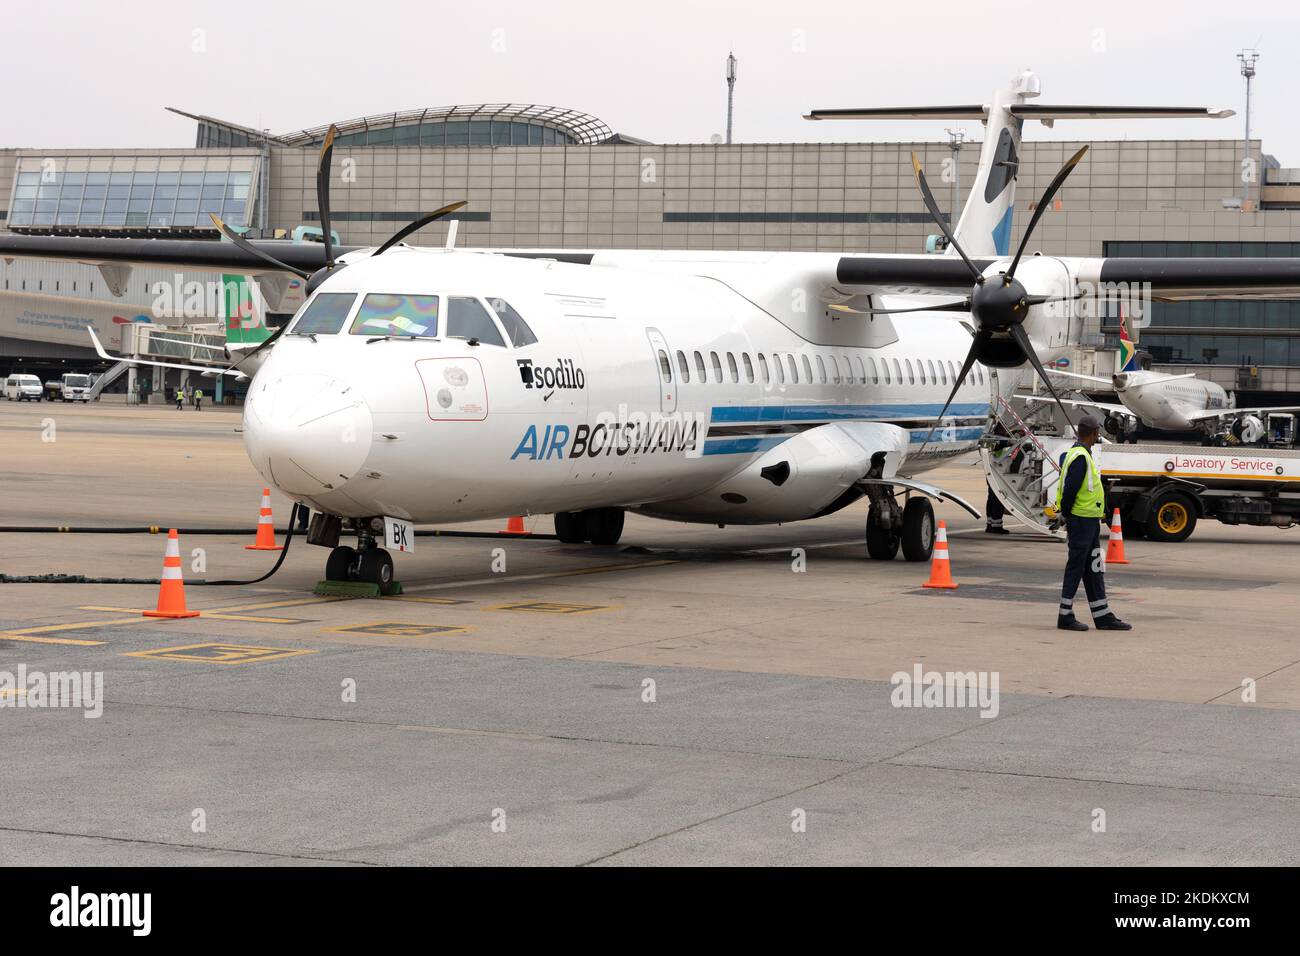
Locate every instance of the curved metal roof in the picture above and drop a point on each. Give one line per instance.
(583, 127)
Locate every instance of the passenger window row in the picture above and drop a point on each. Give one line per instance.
(786, 368)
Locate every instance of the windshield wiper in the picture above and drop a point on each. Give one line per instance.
(385, 338)
(310, 335)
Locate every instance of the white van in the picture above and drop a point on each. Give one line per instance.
(20, 388)
(75, 388)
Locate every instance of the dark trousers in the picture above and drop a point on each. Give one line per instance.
(1084, 563)
(993, 510)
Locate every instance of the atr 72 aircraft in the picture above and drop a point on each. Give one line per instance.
(432, 385)
(1178, 403)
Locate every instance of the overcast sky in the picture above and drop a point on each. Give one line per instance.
(81, 74)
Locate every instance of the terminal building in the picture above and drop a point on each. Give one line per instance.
(538, 176)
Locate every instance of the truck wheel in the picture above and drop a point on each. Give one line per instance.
(882, 543)
(1172, 518)
(918, 529)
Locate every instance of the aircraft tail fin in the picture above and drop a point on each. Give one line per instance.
(245, 312)
(1128, 361)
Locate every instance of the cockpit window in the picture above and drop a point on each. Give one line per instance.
(518, 330)
(385, 313)
(467, 319)
(325, 314)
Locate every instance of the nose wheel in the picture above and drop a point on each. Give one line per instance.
(373, 566)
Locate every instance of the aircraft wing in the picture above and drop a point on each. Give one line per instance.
(195, 254)
(1237, 412)
(206, 369)
(1074, 403)
(1082, 378)
(1193, 279)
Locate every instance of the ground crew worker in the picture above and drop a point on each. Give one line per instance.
(1081, 503)
(198, 399)
(993, 513)
(180, 398)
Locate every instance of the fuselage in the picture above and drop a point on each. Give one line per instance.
(641, 390)
(1168, 402)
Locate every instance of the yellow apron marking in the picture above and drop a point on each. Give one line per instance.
(549, 607)
(4, 636)
(426, 600)
(398, 629)
(220, 653)
(219, 615)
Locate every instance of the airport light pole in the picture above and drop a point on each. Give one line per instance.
(1247, 60)
(731, 90)
(956, 137)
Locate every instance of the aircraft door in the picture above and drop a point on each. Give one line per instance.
(663, 357)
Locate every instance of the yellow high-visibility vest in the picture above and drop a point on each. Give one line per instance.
(1090, 502)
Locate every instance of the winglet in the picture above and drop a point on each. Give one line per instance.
(98, 347)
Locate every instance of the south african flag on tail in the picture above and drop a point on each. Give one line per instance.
(1127, 349)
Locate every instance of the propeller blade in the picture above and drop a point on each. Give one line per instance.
(975, 346)
(323, 192)
(1022, 339)
(417, 225)
(248, 247)
(269, 340)
(1043, 203)
(928, 198)
(963, 306)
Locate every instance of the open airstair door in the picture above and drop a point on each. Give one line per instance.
(1022, 468)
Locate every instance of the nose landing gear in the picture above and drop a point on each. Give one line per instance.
(367, 563)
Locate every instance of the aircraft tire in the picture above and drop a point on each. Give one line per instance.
(571, 527)
(377, 568)
(338, 566)
(918, 529)
(882, 543)
(604, 525)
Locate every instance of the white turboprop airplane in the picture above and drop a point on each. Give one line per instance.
(425, 385)
(1178, 403)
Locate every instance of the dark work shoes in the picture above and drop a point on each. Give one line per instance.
(1111, 623)
(991, 529)
(1070, 623)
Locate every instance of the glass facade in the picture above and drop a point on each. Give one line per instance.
(459, 133)
(133, 192)
(1218, 333)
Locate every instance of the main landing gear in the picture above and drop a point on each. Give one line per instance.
(890, 527)
(603, 526)
(367, 562)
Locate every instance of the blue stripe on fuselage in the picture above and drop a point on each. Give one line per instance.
(764, 414)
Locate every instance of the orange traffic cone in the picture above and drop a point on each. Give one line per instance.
(1115, 550)
(171, 593)
(514, 525)
(265, 527)
(940, 572)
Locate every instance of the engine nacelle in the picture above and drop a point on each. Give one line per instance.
(799, 478)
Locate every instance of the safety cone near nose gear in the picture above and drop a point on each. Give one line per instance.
(171, 592)
(1115, 550)
(514, 525)
(940, 572)
(265, 527)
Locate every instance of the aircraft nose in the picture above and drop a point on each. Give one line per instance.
(307, 432)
